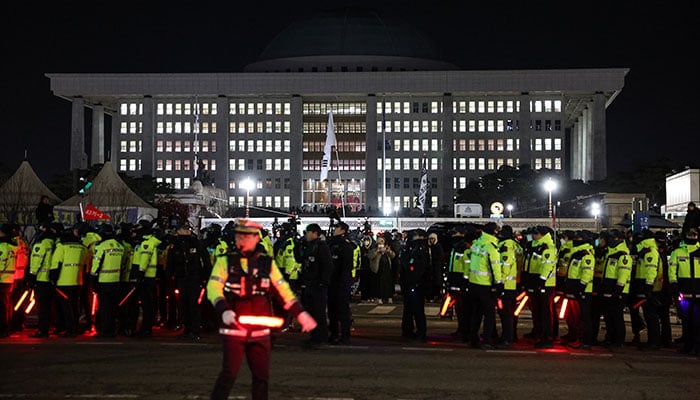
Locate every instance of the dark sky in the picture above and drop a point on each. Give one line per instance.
(652, 118)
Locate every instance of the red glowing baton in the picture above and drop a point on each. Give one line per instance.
(60, 293)
(499, 304)
(639, 303)
(449, 302)
(520, 296)
(562, 312)
(556, 299)
(30, 306)
(521, 306)
(21, 300)
(201, 295)
(133, 289)
(93, 311)
(268, 322)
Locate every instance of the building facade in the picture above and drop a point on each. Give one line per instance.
(393, 114)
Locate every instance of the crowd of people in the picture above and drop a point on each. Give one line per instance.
(126, 279)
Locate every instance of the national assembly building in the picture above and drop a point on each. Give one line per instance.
(396, 108)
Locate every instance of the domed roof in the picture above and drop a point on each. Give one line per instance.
(348, 31)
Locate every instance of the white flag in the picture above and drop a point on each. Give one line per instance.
(327, 150)
(423, 191)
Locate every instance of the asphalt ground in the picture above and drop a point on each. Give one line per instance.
(378, 364)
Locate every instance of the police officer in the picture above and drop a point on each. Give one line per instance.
(458, 280)
(645, 289)
(510, 251)
(127, 306)
(597, 297)
(285, 248)
(317, 265)
(685, 284)
(105, 277)
(66, 275)
(541, 265)
(578, 287)
(145, 264)
(7, 278)
(38, 278)
(241, 286)
(616, 277)
(485, 284)
(19, 288)
(414, 264)
(89, 238)
(563, 257)
(339, 316)
(189, 263)
(665, 296)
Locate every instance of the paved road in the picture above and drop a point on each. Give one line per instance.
(378, 365)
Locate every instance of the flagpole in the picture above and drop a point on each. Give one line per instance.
(342, 190)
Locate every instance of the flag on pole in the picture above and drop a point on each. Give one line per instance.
(423, 191)
(327, 150)
(93, 213)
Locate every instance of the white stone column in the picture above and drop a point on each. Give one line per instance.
(78, 158)
(97, 145)
(599, 137)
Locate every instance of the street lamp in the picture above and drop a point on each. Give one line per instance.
(595, 210)
(248, 186)
(509, 207)
(550, 186)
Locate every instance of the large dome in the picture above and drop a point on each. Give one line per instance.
(348, 39)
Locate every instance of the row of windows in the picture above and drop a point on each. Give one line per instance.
(131, 146)
(492, 164)
(268, 184)
(491, 106)
(260, 146)
(185, 146)
(358, 108)
(407, 183)
(405, 201)
(407, 164)
(241, 164)
(184, 165)
(343, 147)
(129, 164)
(131, 109)
(414, 145)
(260, 201)
(260, 127)
(131, 127)
(186, 108)
(507, 125)
(338, 127)
(405, 107)
(176, 183)
(409, 126)
(259, 108)
(185, 127)
(345, 165)
(487, 145)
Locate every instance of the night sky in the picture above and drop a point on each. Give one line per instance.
(652, 118)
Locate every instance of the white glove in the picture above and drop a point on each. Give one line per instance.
(229, 317)
(308, 323)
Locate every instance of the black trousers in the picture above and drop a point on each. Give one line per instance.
(414, 313)
(44, 296)
(505, 313)
(190, 288)
(614, 308)
(690, 309)
(145, 296)
(70, 307)
(597, 307)
(482, 308)
(636, 319)
(315, 300)
(650, 308)
(339, 316)
(5, 308)
(107, 300)
(545, 305)
(257, 354)
(535, 305)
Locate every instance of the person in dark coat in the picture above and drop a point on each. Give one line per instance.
(692, 218)
(413, 266)
(380, 258)
(44, 211)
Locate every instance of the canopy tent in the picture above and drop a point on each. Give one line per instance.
(110, 195)
(655, 222)
(20, 195)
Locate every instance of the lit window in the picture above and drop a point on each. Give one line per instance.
(188, 109)
(490, 106)
(482, 164)
(124, 109)
(122, 146)
(287, 165)
(472, 107)
(538, 144)
(169, 109)
(499, 106)
(159, 165)
(557, 105)
(482, 125)
(548, 106)
(132, 165)
(509, 106)
(482, 106)
(557, 144)
(548, 144)
(472, 125)
(557, 163)
(122, 165)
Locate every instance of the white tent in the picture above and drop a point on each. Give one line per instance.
(110, 195)
(20, 195)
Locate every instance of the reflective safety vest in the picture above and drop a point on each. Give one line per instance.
(540, 263)
(40, 260)
(617, 269)
(684, 269)
(146, 255)
(286, 261)
(581, 269)
(90, 240)
(356, 259)
(107, 262)
(648, 266)
(508, 250)
(69, 259)
(485, 267)
(244, 285)
(563, 258)
(220, 250)
(127, 259)
(7, 262)
(266, 242)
